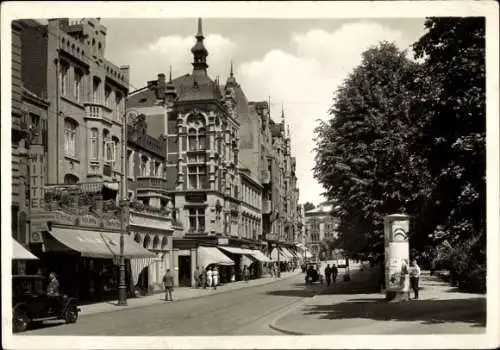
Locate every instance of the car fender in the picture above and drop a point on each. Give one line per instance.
(68, 302)
(21, 307)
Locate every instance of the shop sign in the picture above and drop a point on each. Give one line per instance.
(222, 241)
(196, 197)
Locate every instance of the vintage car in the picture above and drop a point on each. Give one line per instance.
(313, 274)
(31, 304)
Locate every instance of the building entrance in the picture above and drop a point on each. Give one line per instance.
(184, 271)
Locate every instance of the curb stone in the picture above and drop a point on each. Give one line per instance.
(273, 325)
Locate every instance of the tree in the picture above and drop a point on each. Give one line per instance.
(364, 156)
(309, 206)
(454, 130)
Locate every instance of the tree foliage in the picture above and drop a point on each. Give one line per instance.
(410, 137)
(363, 155)
(309, 206)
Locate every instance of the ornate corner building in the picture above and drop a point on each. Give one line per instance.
(229, 167)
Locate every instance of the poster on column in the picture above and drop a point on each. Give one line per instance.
(396, 266)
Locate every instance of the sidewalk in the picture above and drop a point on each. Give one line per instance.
(180, 293)
(356, 308)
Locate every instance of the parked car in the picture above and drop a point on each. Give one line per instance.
(313, 274)
(31, 304)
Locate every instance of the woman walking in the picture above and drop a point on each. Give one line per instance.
(215, 277)
(414, 277)
(209, 277)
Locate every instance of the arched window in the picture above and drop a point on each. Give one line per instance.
(164, 243)
(156, 243)
(137, 238)
(147, 241)
(94, 144)
(70, 179)
(70, 128)
(144, 166)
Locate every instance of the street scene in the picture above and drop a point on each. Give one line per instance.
(171, 177)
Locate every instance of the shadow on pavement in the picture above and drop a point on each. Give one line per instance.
(41, 325)
(298, 293)
(471, 310)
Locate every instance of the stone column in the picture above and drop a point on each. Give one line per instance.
(397, 253)
(194, 263)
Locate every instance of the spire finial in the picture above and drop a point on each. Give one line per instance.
(199, 51)
(200, 28)
(282, 114)
(288, 130)
(169, 74)
(231, 73)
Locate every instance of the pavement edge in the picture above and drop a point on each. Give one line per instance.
(273, 324)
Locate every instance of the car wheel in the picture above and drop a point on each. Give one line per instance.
(71, 314)
(20, 321)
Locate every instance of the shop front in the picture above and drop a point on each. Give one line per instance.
(86, 261)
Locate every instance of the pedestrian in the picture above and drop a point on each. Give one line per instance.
(215, 277)
(414, 277)
(203, 278)
(328, 274)
(168, 282)
(245, 273)
(209, 277)
(334, 273)
(52, 291)
(196, 276)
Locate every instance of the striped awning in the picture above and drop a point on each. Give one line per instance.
(211, 255)
(257, 254)
(287, 253)
(282, 256)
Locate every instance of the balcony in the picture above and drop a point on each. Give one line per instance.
(146, 141)
(266, 206)
(265, 177)
(151, 183)
(98, 111)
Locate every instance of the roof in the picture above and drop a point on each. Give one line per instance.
(189, 87)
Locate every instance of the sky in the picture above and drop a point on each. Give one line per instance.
(296, 62)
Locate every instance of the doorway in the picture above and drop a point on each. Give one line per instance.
(184, 271)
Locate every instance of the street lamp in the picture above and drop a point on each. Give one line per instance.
(124, 206)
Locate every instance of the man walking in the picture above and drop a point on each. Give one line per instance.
(328, 275)
(414, 277)
(196, 276)
(168, 282)
(335, 272)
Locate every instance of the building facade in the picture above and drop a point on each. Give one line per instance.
(320, 226)
(73, 102)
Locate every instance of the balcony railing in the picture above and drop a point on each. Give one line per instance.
(151, 182)
(265, 177)
(98, 111)
(266, 206)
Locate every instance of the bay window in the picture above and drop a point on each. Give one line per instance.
(93, 144)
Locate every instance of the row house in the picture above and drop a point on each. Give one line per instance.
(267, 149)
(200, 119)
(321, 226)
(74, 105)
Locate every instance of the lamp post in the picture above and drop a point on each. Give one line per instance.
(124, 206)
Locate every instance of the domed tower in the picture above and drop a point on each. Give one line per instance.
(199, 51)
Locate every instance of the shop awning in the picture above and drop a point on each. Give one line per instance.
(212, 255)
(21, 253)
(282, 257)
(308, 254)
(131, 248)
(245, 260)
(94, 244)
(287, 253)
(236, 250)
(257, 254)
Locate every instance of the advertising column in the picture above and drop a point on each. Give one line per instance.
(397, 255)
